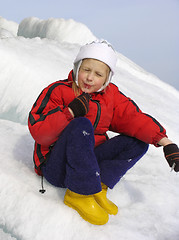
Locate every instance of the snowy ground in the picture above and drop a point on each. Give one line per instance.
(147, 196)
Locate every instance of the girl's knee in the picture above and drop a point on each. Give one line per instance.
(82, 123)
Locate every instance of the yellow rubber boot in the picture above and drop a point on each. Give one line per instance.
(104, 202)
(87, 207)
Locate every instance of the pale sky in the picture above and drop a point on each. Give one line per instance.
(145, 31)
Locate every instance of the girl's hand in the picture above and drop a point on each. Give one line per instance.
(171, 152)
(80, 105)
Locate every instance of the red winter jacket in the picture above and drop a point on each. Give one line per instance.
(108, 110)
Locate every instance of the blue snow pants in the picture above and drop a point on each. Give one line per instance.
(76, 164)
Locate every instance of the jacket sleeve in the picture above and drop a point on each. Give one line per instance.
(48, 117)
(128, 119)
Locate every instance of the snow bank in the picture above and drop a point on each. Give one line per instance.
(5, 33)
(27, 66)
(8, 26)
(147, 196)
(56, 29)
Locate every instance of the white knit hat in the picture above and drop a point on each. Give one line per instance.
(100, 50)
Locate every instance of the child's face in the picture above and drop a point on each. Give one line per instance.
(92, 75)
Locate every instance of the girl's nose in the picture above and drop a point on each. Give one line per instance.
(90, 77)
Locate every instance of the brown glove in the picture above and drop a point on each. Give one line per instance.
(80, 105)
(171, 152)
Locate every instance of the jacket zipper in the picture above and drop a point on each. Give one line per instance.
(98, 113)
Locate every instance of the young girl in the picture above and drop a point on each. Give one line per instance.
(69, 121)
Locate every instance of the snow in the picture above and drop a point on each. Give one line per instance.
(9, 26)
(68, 30)
(148, 196)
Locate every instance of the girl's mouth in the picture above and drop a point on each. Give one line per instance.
(87, 86)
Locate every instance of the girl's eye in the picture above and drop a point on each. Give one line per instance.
(99, 74)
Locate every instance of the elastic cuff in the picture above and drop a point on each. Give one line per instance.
(158, 138)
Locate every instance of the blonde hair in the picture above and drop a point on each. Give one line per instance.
(76, 89)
